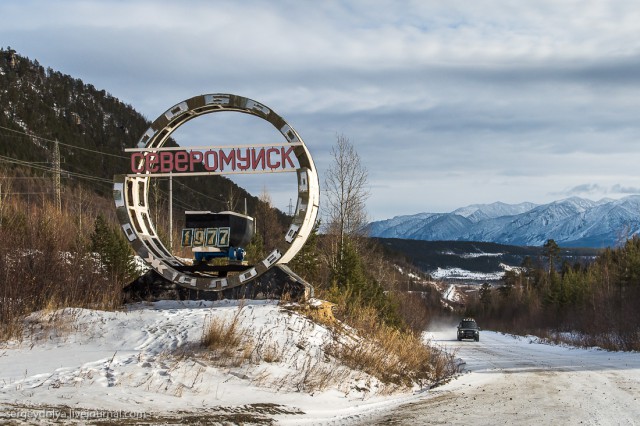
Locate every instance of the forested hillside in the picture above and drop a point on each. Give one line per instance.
(593, 304)
(476, 256)
(39, 106)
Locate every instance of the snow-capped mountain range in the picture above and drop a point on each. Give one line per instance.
(572, 222)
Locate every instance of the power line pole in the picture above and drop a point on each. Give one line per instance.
(171, 213)
(56, 175)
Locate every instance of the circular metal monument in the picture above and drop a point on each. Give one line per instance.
(131, 191)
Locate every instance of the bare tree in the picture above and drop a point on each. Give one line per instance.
(346, 193)
(267, 224)
(5, 190)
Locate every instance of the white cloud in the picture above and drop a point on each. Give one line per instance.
(594, 189)
(448, 103)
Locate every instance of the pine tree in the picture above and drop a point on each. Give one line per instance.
(551, 251)
(305, 263)
(113, 250)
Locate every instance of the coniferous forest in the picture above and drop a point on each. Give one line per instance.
(594, 304)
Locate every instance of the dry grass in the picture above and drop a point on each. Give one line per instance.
(45, 265)
(394, 357)
(271, 353)
(398, 359)
(226, 342)
(316, 376)
(51, 323)
(320, 313)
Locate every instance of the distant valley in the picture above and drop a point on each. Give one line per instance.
(572, 222)
(466, 261)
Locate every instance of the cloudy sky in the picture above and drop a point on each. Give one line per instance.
(448, 103)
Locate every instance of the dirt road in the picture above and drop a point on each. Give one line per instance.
(511, 380)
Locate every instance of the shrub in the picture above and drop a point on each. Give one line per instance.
(224, 340)
(44, 264)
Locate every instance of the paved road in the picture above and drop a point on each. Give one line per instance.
(518, 381)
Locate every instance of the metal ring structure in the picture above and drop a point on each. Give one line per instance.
(131, 194)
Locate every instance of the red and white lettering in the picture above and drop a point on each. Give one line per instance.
(243, 163)
(228, 159)
(195, 157)
(166, 162)
(256, 160)
(285, 156)
(270, 164)
(152, 163)
(211, 161)
(181, 161)
(136, 159)
(242, 159)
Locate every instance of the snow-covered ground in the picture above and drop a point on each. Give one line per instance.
(520, 380)
(466, 275)
(472, 255)
(146, 362)
(459, 274)
(451, 294)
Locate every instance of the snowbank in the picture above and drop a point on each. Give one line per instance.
(147, 361)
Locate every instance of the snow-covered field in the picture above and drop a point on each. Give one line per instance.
(146, 362)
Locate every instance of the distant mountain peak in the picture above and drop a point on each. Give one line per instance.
(571, 222)
(493, 210)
